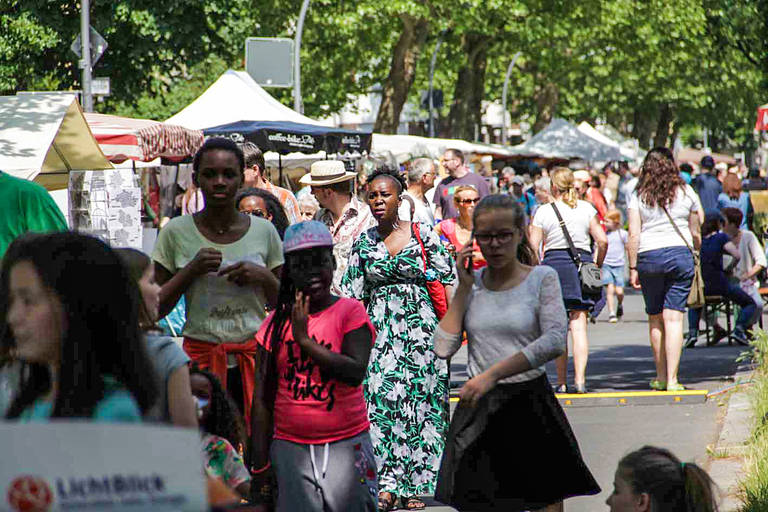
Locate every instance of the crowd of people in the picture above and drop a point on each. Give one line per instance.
(319, 327)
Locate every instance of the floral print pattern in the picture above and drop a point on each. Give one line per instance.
(407, 385)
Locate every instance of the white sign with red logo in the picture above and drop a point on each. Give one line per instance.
(93, 467)
(762, 118)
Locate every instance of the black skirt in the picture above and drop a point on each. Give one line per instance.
(515, 451)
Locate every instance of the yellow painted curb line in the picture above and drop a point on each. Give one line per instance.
(624, 394)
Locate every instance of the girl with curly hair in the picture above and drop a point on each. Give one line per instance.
(223, 431)
(663, 233)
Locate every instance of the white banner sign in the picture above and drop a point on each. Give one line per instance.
(100, 467)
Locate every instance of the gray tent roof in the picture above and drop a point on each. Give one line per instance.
(561, 139)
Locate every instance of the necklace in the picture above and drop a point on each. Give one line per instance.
(222, 230)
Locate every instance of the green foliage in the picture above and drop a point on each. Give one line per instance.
(754, 486)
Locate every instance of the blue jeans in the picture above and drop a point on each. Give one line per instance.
(738, 296)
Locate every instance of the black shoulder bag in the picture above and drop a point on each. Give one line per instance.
(590, 274)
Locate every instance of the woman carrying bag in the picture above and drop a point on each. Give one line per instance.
(663, 237)
(565, 226)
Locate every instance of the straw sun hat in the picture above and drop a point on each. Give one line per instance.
(326, 172)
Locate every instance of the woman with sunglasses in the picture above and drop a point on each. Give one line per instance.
(458, 231)
(264, 204)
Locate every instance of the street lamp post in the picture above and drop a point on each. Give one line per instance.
(504, 99)
(431, 79)
(297, 106)
(85, 61)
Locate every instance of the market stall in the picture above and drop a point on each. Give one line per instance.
(562, 140)
(144, 140)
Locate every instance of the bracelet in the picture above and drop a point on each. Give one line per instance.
(259, 471)
(632, 268)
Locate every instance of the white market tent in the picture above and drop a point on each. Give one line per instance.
(626, 151)
(234, 97)
(43, 137)
(401, 148)
(561, 139)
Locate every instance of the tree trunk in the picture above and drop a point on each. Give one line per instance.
(666, 115)
(642, 126)
(546, 98)
(466, 109)
(402, 71)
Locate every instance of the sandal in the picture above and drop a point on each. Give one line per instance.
(387, 501)
(412, 503)
(658, 385)
(676, 387)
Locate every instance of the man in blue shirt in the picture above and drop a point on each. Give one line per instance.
(708, 186)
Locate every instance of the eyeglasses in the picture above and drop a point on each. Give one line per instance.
(257, 213)
(468, 201)
(500, 238)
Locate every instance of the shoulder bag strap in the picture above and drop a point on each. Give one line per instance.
(571, 247)
(415, 226)
(678, 231)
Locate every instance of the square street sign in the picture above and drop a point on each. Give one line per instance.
(269, 61)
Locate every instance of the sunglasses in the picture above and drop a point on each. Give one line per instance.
(257, 213)
(468, 201)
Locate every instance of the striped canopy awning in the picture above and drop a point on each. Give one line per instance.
(123, 138)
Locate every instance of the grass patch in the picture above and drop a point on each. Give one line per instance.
(754, 486)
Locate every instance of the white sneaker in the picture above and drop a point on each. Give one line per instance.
(613, 319)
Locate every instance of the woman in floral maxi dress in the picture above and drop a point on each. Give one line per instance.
(407, 385)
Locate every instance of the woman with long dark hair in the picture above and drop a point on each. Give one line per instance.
(407, 385)
(514, 317)
(226, 264)
(261, 203)
(70, 312)
(663, 233)
(309, 412)
(652, 479)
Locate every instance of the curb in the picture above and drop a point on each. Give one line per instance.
(726, 463)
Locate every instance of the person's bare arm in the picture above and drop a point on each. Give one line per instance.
(181, 404)
(173, 286)
(694, 225)
(351, 364)
(535, 236)
(452, 322)
(601, 240)
(633, 245)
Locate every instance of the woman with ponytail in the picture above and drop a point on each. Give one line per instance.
(654, 480)
(581, 223)
(514, 318)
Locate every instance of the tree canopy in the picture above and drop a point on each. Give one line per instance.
(653, 69)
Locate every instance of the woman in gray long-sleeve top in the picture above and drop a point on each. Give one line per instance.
(510, 446)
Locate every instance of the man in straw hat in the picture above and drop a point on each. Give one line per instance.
(344, 214)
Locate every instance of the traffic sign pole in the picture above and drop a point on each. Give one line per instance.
(85, 60)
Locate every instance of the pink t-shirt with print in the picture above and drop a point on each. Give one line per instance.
(311, 408)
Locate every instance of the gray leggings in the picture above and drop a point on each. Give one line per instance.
(333, 477)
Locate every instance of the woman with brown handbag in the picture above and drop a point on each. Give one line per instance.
(663, 234)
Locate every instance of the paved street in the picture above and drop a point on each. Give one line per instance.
(621, 360)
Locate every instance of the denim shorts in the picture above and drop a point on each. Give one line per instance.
(570, 284)
(665, 277)
(613, 275)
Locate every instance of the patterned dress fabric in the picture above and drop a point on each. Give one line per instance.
(407, 385)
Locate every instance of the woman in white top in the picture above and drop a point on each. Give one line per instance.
(580, 220)
(514, 318)
(660, 259)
